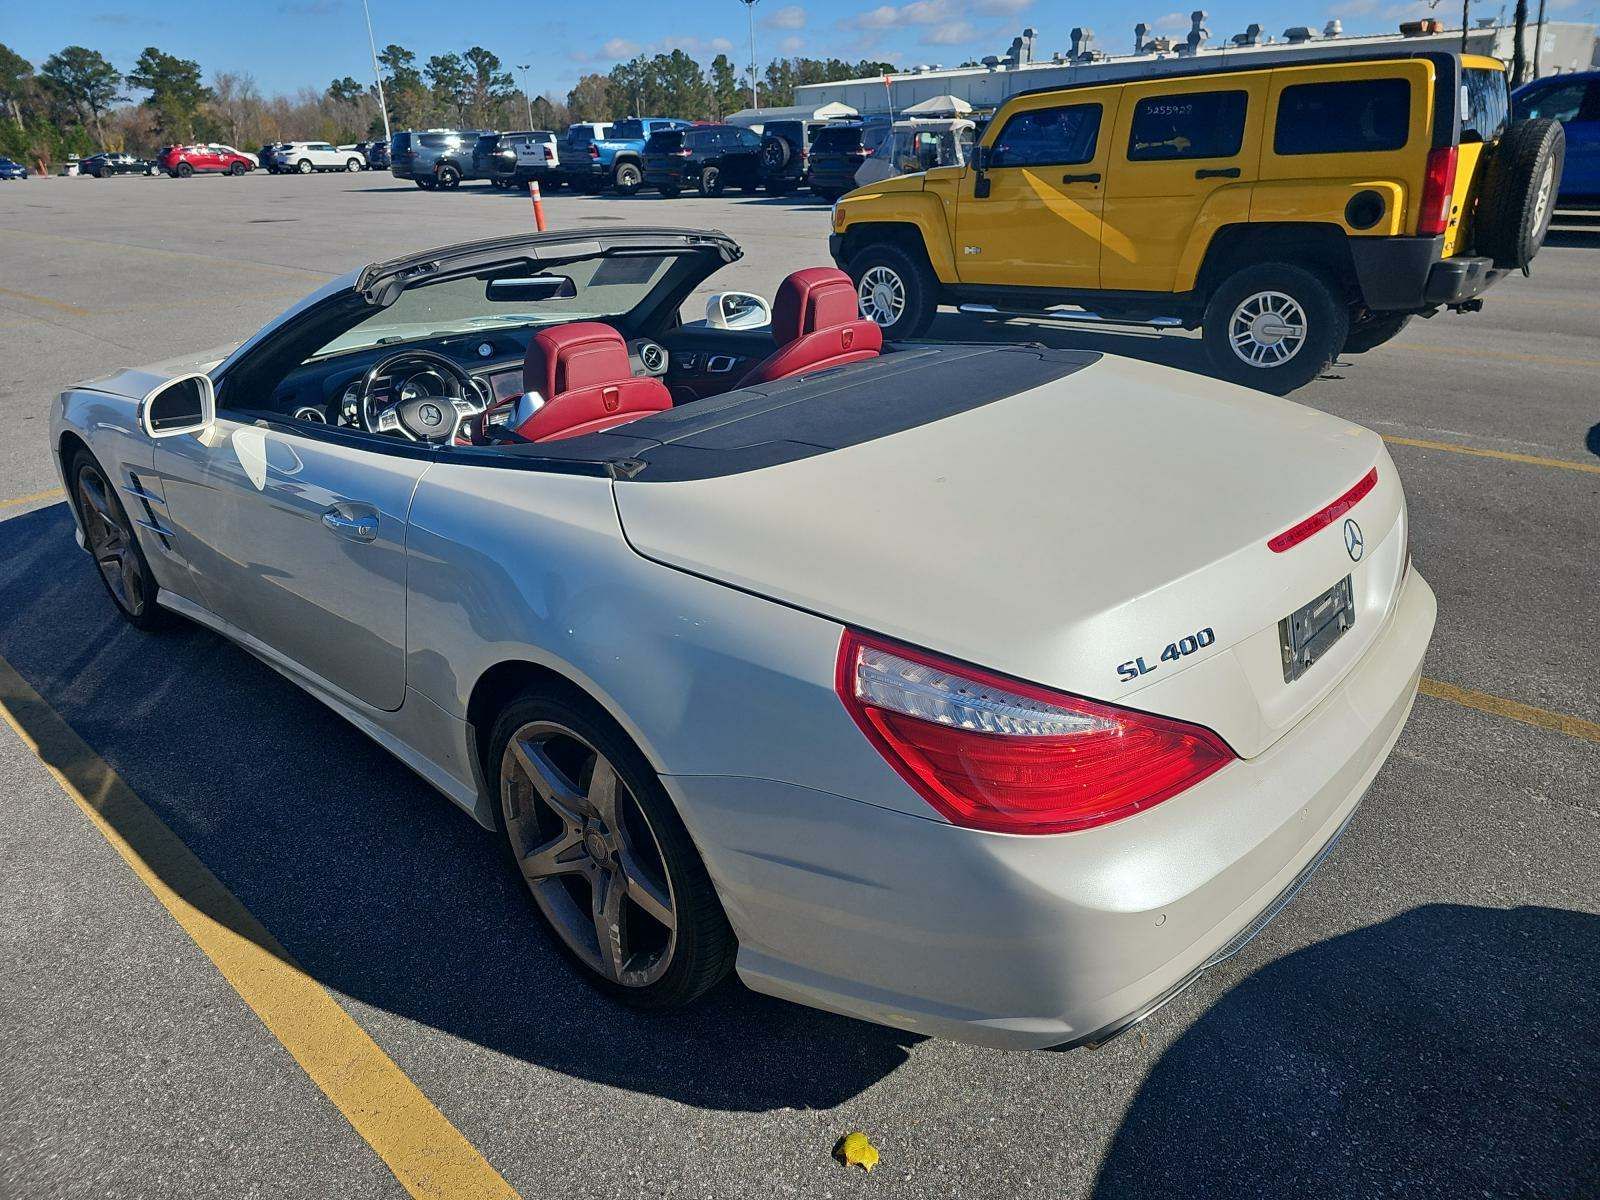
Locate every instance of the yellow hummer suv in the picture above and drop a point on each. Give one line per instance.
(1290, 211)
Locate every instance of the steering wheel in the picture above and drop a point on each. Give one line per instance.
(425, 404)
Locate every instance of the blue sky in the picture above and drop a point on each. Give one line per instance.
(289, 44)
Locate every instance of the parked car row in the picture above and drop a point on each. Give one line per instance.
(668, 154)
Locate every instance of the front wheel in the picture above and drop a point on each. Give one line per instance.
(710, 181)
(303, 166)
(352, 164)
(1374, 332)
(896, 290)
(236, 169)
(447, 176)
(182, 171)
(627, 179)
(604, 855)
(108, 536)
(1274, 327)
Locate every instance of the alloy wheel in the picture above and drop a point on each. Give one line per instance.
(1267, 329)
(110, 541)
(588, 854)
(1541, 204)
(881, 295)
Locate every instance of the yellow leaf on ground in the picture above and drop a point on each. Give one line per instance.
(854, 1150)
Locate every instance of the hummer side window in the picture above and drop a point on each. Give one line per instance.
(1345, 117)
(1187, 125)
(1048, 137)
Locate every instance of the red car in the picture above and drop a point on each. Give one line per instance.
(180, 161)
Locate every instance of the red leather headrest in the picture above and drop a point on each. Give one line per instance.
(812, 299)
(568, 357)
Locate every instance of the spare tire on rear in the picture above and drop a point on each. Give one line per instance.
(1519, 193)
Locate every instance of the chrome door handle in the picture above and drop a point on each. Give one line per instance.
(356, 528)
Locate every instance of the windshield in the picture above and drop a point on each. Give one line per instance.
(607, 287)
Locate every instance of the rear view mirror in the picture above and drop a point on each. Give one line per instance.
(187, 404)
(737, 310)
(534, 287)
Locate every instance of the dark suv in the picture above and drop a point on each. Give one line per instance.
(435, 158)
(837, 153)
(786, 153)
(709, 157)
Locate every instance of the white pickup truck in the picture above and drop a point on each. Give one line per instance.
(306, 157)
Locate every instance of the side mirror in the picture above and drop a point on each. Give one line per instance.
(981, 160)
(738, 310)
(187, 404)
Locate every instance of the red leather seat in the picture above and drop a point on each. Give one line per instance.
(817, 324)
(583, 373)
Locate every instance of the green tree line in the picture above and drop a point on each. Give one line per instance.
(76, 101)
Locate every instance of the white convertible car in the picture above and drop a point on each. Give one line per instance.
(988, 691)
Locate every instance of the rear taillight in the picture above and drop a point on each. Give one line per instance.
(549, 154)
(594, 151)
(1324, 516)
(994, 753)
(1438, 192)
(681, 152)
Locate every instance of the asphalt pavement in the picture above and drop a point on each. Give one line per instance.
(1423, 1020)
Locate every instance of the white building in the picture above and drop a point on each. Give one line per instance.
(1562, 46)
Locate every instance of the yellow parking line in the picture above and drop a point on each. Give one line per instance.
(33, 497)
(71, 309)
(1549, 360)
(1506, 455)
(1512, 710)
(427, 1154)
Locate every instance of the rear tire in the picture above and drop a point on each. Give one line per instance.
(1274, 327)
(627, 179)
(182, 171)
(551, 743)
(896, 289)
(352, 164)
(1374, 332)
(1519, 193)
(447, 176)
(119, 559)
(710, 181)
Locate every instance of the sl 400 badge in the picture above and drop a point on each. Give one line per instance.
(1129, 671)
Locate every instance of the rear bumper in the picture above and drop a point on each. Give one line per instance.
(1401, 274)
(1030, 942)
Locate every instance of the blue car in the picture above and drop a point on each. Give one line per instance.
(12, 170)
(1574, 100)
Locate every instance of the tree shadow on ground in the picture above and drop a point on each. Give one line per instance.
(1452, 1051)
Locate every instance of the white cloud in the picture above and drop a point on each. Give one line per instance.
(956, 33)
(790, 16)
(1172, 22)
(792, 44)
(619, 47)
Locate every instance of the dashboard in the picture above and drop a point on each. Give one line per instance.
(328, 391)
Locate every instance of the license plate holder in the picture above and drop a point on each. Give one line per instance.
(1305, 635)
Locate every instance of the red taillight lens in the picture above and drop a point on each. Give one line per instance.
(1438, 191)
(594, 151)
(549, 154)
(994, 753)
(1325, 516)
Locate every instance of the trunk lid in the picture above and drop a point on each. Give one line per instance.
(1063, 531)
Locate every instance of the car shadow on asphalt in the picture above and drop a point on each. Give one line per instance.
(374, 883)
(1398, 1059)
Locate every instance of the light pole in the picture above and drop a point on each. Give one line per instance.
(526, 95)
(750, 11)
(372, 45)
